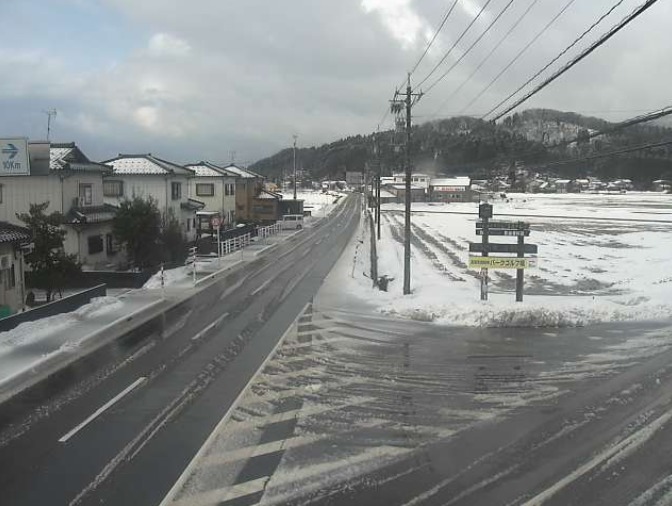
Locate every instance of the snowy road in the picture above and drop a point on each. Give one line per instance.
(121, 424)
(360, 410)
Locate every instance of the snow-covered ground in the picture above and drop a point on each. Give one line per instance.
(320, 204)
(601, 258)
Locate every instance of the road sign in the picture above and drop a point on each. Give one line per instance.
(14, 157)
(501, 263)
(216, 221)
(477, 247)
(507, 232)
(485, 211)
(515, 225)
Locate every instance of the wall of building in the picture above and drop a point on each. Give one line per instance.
(18, 192)
(77, 242)
(220, 202)
(71, 193)
(12, 288)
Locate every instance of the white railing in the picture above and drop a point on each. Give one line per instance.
(264, 232)
(235, 243)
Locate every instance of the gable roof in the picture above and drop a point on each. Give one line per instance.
(207, 169)
(67, 156)
(239, 171)
(146, 164)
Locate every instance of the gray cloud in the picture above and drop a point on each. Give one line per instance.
(217, 76)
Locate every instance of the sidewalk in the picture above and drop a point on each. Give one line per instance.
(33, 350)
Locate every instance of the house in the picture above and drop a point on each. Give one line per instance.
(419, 180)
(14, 241)
(62, 175)
(662, 185)
(453, 189)
(253, 203)
(216, 188)
(145, 175)
(563, 185)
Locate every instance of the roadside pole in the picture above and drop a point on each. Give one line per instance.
(520, 272)
(485, 213)
(192, 253)
(163, 283)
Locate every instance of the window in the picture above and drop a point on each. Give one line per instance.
(111, 244)
(95, 244)
(113, 188)
(85, 194)
(176, 190)
(205, 189)
(229, 189)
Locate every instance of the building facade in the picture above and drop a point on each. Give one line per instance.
(73, 186)
(14, 241)
(145, 175)
(216, 188)
(454, 189)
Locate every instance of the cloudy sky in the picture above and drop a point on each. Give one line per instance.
(200, 79)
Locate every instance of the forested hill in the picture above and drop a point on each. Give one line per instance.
(466, 145)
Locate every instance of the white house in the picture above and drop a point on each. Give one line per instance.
(63, 176)
(216, 188)
(145, 175)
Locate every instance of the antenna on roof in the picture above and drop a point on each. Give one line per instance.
(50, 113)
(232, 157)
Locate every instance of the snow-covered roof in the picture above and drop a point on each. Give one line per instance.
(146, 164)
(563, 181)
(451, 181)
(403, 187)
(266, 195)
(415, 174)
(207, 169)
(67, 156)
(239, 171)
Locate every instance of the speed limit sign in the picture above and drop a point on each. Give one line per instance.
(215, 221)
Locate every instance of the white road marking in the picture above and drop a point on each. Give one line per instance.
(248, 452)
(103, 408)
(210, 327)
(263, 286)
(213, 497)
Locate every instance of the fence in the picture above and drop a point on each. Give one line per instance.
(64, 305)
(235, 243)
(264, 232)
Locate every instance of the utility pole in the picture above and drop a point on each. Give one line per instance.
(295, 136)
(51, 113)
(377, 187)
(398, 106)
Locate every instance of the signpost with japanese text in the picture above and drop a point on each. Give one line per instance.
(485, 228)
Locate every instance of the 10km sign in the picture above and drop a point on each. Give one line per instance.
(14, 157)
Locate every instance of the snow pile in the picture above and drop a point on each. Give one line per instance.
(602, 258)
(318, 203)
(32, 332)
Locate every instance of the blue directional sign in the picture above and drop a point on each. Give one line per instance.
(14, 159)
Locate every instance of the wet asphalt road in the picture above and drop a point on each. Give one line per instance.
(180, 375)
(360, 410)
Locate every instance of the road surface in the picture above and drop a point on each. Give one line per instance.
(119, 426)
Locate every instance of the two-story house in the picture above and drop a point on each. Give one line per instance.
(145, 175)
(13, 244)
(253, 203)
(216, 188)
(63, 176)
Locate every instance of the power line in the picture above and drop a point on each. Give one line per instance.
(454, 44)
(457, 62)
(487, 57)
(607, 154)
(436, 33)
(520, 53)
(560, 55)
(613, 31)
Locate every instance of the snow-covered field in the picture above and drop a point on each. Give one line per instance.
(601, 258)
(320, 204)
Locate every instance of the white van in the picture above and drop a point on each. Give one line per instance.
(292, 221)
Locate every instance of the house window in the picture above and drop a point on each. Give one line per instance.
(95, 244)
(113, 188)
(176, 190)
(205, 189)
(85, 194)
(229, 189)
(111, 244)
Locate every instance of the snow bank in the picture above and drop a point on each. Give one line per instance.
(31, 332)
(176, 275)
(592, 268)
